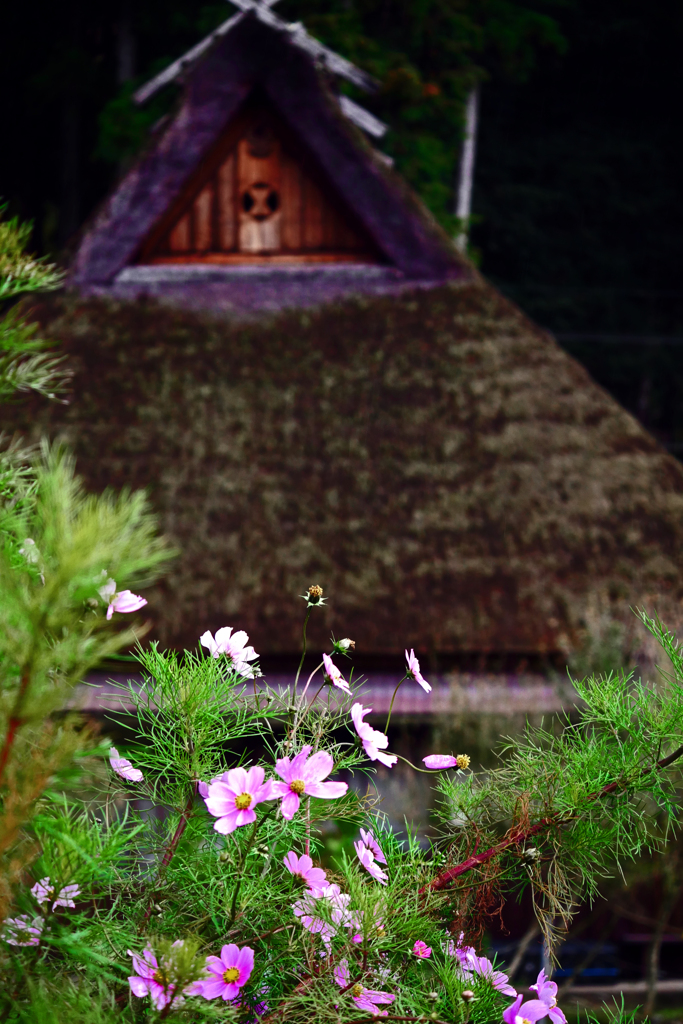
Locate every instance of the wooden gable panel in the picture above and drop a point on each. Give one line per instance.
(257, 197)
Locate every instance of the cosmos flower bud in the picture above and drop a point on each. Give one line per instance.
(467, 995)
(345, 644)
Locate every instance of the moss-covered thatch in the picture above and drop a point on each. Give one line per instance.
(450, 476)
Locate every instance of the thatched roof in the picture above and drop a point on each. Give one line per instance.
(436, 462)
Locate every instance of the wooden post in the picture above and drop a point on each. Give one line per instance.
(463, 207)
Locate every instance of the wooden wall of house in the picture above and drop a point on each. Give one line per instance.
(257, 197)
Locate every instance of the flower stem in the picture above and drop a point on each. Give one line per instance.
(303, 651)
(247, 850)
(14, 722)
(426, 771)
(393, 698)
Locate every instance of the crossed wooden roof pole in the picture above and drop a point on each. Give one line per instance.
(299, 37)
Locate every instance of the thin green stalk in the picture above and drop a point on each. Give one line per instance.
(393, 698)
(303, 650)
(247, 849)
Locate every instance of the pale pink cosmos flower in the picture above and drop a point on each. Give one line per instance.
(422, 950)
(234, 647)
(374, 742)
(334, 674)
(547, 993)
(151, 979)
(440, 761)
(304, 774)
(367, 859)
(123, 767)
(525, 1013)
(233, 797)
(23, 931)
(123, 601)
(307, 911)
(372, 844)
(44, 892)
(413, 670)
(375, 929)
(228, 973)
(365, 998)
(336, 906)
(314, 878)
(473, 964)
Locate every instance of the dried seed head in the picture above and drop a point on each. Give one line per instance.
(315, 592)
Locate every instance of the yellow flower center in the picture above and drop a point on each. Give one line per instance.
(160, 977)
(463, 761)
(380, 931)
(297, 786)
(243, 801)
(357, 990)
(231, 975)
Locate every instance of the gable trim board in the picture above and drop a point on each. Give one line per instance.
(253, 56)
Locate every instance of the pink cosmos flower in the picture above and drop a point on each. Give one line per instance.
(233, 797)
(22, 931)
(413, 669)
(473, 964)
(525, 1013)
(440, 761)
(123, 767)
(547, 993)
(124, 601)
(151, 978)
(367, 859)
(364, 998)
(227, 973)
(234, 647)
(314, 878)
(304, 774)
(372, 844)
(44, 892)
(334, 675)
(422, 950)
(336, 904)
(374, 742)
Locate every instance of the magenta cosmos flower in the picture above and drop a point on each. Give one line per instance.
(334, 675)
(473, 964)
(440, 761)
(547, 993)
(364, 998)
(374, 742)
(525, 1013)
(151, 979)
(22, 931)
(304, 774)
(314, 878)
(234, 647)
(422, 950)
(123, 767)
(123, 601)
(368, 852)
(372, 844)
(227, 972)
(44, 891)
(233, 797)
(413, 670)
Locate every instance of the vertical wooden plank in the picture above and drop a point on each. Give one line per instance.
(292, 201)
(179, 235)
(258, 180)
(313, 216)
(227, 235)
(203, 219)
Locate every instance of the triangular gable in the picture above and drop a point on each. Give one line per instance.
(254, 57)
(257, 196)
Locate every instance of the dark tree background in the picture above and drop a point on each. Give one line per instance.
(579, 182)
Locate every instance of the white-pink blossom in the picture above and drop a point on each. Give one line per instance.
(314, 878)
(233, 797)
(440, 761)
(304, 774)
(374, 742)
(234, 647)
(44, 891)
(372, 844)
(123, 601)
(23, 931)
(413, 670)
(334, 674)
(367, 859)
(366, 999)
(123, 767)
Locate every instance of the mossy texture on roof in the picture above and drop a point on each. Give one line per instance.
(448, 474)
